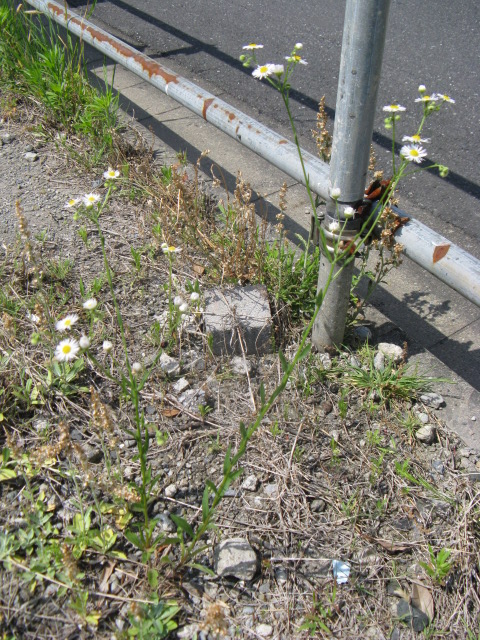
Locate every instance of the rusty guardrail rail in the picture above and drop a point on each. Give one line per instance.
(435, 253)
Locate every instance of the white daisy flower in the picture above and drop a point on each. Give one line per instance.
(444, 97)
(194, 297)
(413, 153)
(335, 193)
(136, 368)
(334, 227)
(263, 71)
(66, 323)
(170, 249)
(299, 45)
(84, 342)
(73, 202)
(393, 108)
(416, 139)
(66, 350)
(111, 174)
(349, 212)
(296, 59)
(89, 199)
(90, 304)
(177, 301)
(252, 46)
(422, 88)
(107, 346)
(183, 308)
(427, 98)
(278, 69)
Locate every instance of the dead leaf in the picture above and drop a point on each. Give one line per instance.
(389, 545)
(170, 413)
(423, 600)
(199, 269)
(103, 588)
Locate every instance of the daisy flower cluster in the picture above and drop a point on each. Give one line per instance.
(69, 348)
(91, 199)
(413, 150)
(272, 72)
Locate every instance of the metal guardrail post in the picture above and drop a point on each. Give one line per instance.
(361, 62)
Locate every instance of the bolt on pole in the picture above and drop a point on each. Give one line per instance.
(360, 67)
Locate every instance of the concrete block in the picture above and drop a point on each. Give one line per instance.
(242, 311)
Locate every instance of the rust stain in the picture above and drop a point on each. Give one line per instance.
(231, 116)
(206, 104)
(236, 130)
(282, 141)
(440, 252)
(151, 67)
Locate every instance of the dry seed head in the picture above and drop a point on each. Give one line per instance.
(373, 160)
(320, 134)
(69, 562)
(283, 198)
(8, 324)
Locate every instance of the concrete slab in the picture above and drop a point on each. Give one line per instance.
(238, 320)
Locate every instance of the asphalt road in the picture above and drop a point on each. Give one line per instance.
(431, 42)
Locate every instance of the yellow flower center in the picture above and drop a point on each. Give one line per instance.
(264, 69)
(68, 322)
(66, 349)
(416, 138)
(414, 152)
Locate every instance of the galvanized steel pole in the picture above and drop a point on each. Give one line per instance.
(361, 62)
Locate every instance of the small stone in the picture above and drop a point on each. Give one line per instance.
(426, 434)
(165, 523)
(391, 351)
(241, 366)
(335, 435)
(325, 360)
(271, 490)
(94, 454)
(423, 417)
(7, 138)
(169, 365)
(264, 630)
(433, 400)
(171, 490)
(29, 147)
(318, 506)
(180, 385)
(473, 418)
(379, 361)
(281, 575)
(31, 156)
(363, 333)
(438, 467)
(235, 557)
(250, 483)
(412, 616)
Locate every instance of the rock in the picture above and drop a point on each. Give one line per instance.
(271, 490)
(241, 366)
(250, 483)
(379, 361)
(423, 417)
(433, 400)
(438, 467)
(326, 407)
(363, 333)
(412, 616)
(171, 490)
(169, 365)
(264, 630)
(7, 138)
(426, 434)
(325, 360)
(31, 156)
(180, 385)
(281, 575)
(235, 557)
(165, 523)
(318, 505)
(391, 351)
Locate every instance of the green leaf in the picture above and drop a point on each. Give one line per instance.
(243, 431)
(283, 361)
(304, 352)
(227, 463)
(7, 474)
(134, 539)
(262, 395)
(205, 509)
(182, 524)
(152, 577)
(202, 567)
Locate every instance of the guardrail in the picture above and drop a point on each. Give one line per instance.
(435, 253)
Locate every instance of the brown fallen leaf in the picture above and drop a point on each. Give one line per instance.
(170, 413)
(423, 600)
(103, 588)
(389, 545)
(199, 269)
